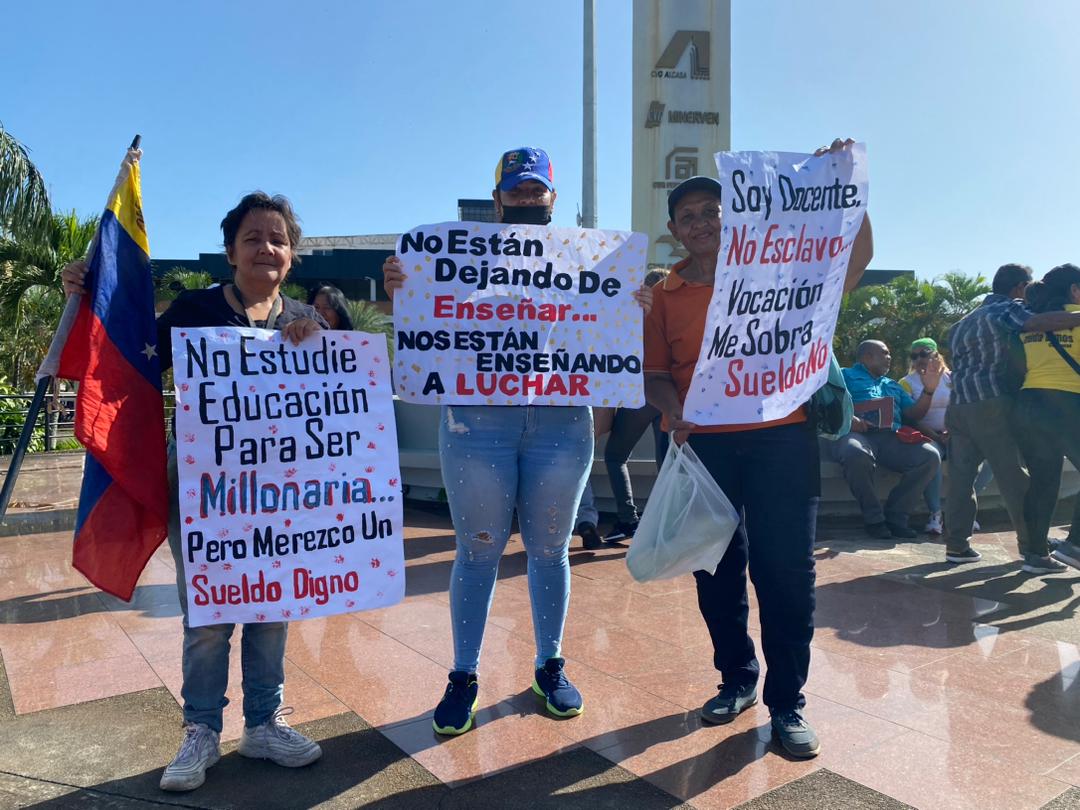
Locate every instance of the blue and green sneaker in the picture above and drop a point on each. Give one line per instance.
(454, 714)
(563, 699)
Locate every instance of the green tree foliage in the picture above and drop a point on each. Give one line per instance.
(367, 317)
(24, 200)
(179, 279)
(31, 295)
(297, 292)
(12, 415)
(902, 311)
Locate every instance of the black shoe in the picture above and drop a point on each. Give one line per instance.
(965, 556)
(562, 697)
(879, 531)
(1034, 564)
(621, 531)
(1068, 553)
(590, 538)
(901, 531)
(729, 704)
(795, 734)
(455, 712)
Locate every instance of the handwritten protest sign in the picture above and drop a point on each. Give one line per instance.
(789, 223)
(519, 315)
(290, 494)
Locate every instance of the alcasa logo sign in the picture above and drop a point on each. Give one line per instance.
(697, 43)
(655, 116)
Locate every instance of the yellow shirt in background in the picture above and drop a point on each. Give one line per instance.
(1045, 367)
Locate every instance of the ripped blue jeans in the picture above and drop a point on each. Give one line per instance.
(496, 458)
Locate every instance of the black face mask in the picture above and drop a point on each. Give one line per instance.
(526, 214)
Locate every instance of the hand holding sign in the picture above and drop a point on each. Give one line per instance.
(393, 275)
(836, 146)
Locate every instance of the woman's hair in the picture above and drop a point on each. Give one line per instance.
(655, 276)
(256, 200)
(1052, 293)
(336, 299)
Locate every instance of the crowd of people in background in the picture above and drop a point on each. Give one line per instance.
(1009, 409)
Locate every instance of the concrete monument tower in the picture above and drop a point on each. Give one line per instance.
(681, 106)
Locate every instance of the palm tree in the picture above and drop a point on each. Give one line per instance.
(24, 200)
(295, 291)
(178, 279)
(903, 310)
(962, 293)
(367, 317)
(31, 297)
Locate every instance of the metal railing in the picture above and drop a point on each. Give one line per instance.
(54, 427)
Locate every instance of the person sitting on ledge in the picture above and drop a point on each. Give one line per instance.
(881, 405)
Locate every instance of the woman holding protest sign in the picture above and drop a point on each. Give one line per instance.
(769, 470)
(260, 235)
(495, 459)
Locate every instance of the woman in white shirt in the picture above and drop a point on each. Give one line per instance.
(933, 426)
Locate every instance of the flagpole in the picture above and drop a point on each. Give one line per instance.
(24, 442)
(45, 375)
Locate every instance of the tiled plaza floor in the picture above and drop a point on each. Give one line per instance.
(940, 686)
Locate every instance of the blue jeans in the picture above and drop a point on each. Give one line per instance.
(494, 459)
(772, 476)
(206, 649)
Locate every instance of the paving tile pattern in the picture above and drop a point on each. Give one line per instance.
(935, 686)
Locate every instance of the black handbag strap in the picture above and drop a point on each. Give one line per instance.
(1061, 350)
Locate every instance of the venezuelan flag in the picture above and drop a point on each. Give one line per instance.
(119, 414)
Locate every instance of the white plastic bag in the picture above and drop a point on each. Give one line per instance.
(687, 524)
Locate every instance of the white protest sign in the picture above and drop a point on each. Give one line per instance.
(789, 222)
(494, 314)
(290, 492)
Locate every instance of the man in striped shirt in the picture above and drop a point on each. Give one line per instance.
(986, 373)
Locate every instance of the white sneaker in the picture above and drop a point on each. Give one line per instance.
(276, 741)
(934, 525)
(200, 749)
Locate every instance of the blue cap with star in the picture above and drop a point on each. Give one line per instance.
(525, 163)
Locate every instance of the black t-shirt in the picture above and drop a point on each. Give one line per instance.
(195, 308)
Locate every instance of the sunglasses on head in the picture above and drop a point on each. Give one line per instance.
(922, 354)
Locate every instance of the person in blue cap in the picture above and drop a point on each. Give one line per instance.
(496, 459)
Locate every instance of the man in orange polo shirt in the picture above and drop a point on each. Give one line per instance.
(770, 472)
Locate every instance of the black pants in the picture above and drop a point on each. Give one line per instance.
(627, 428)
(773, 478)
(1049, 432)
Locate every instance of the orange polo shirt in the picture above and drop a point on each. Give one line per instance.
(674, 332)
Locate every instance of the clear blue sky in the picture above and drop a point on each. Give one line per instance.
(376, 116)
